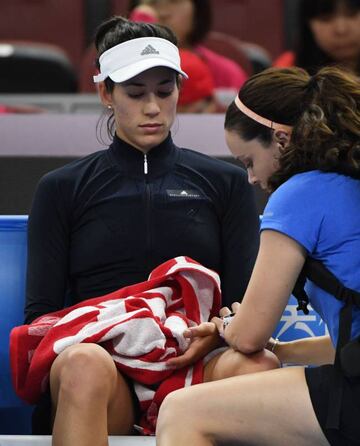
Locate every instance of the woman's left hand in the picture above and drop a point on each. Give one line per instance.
(204, 339)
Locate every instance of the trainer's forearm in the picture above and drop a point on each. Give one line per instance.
(308, 351)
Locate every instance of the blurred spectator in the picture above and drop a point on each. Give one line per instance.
(328, 33)
(197, 92)
(191, 22)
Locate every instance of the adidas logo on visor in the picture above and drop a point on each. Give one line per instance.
(149, 50)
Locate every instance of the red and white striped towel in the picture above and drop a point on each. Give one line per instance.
(141, 327)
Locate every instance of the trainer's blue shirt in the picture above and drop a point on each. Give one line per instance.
(321, 211)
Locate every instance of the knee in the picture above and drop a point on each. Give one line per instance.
(83, 372)
(172, 409)
(261, 361)
(239, 364)
(267, 360)
(177, 424)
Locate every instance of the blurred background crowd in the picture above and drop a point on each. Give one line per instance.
(45, 45)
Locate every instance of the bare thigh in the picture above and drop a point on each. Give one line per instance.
(84, 378)
(262, 409)
(230, 363)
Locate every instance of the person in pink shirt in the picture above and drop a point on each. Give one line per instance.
(191, 21)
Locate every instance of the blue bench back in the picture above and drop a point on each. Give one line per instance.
(14, 414)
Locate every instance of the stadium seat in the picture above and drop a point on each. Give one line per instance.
(250, 56)
(87, 71)
(119, 7)
(261, 22)
(61, 23)
(32, 67)
(259, 57)
(229, 46)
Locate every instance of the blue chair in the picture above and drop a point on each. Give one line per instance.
(15, 416)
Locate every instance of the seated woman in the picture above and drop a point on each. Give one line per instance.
(299, 137)
(106, 221)
(328, 34)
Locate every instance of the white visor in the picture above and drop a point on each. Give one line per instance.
(128, 59)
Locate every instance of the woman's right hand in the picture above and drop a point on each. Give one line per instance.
(202, 330)
(204, 338)
(216, 324)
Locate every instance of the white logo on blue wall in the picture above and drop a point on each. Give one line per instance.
(296, 325)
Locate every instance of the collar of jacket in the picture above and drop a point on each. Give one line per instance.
(131, 161)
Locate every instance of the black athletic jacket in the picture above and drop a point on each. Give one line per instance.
(106, 220)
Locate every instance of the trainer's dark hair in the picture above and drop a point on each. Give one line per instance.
(275, 94)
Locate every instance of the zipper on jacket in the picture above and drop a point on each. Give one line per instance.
(148, 213)
(146, 167)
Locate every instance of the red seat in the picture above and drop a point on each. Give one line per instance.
(250, 56)
(60, 23)
(260, 22)
(120, 7)
(87, 70)
(230, 47)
